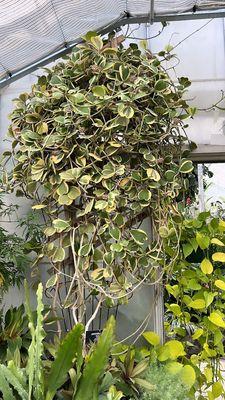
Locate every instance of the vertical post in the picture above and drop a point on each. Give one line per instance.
(152, 11)
(201, 188)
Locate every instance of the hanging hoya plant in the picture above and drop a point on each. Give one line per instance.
(97, 144)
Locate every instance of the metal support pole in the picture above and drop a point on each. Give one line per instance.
(201, 188)
(152, 11)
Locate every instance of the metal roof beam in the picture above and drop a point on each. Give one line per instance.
(220, 13)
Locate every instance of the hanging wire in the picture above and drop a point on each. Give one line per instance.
(144, 38)
(59, 23)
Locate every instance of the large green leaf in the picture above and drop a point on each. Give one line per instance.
(139, 236)
(67, 351)
(4, 386)
(14, 382)
(97, 363)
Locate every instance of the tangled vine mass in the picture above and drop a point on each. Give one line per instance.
(97, 145)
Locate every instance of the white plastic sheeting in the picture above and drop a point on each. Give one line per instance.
(31, 30)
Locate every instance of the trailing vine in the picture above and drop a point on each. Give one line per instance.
(97, 145)
(195, 312)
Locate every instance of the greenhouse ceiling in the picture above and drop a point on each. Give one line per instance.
(36, 32)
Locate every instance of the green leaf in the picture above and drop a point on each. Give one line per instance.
(153, 174)
(197, 304)
(14, 382)
(59, 255)
(217, 319)
(198, 333)
(85, 179)
(68, 349)
(62, 189)
(82, 110)
(217, 389)
(186, 167)
(38, 206)
(187, 249)
(32, 118)
(51, 281)
(202, 240)
(109, 257)
(174, 367)
(60, 119)
(209, 297)
(71, 174)
(4, 386)
(56, 80)
(74, 193)
(87, 209)
(144, 194)
(206, 267)
(175, 308)
(99, 91)
(85, 250)
(170, 175)
(217, 242)
(139, 236)
(117, 247)
(97, 42)
(144, 383)
(218, 257)
(124, 72)
(152, 338)
(101, 204)
(188, 375)
(161, 85)
(125, 111)
(115, 233)
(220, 284)
(171, 350)
(163, 231)
(113, 394)
(60, 225)
(96, 364)
(65, 200)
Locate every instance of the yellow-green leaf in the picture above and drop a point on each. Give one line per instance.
(74, 193)
(174, 367)
(208, 374)
(152, 338)
(202, 240)
(218, 257)
(220, 284)
(59, 255)
(206, 266)
(217, 389)
(198, 304)
(153, 174)
(188, 375)
(38, 206)
(198, 333)
(217, 242)
(171, 350)
(217, 319)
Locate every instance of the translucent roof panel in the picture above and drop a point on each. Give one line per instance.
(33, 30)
(169, 7)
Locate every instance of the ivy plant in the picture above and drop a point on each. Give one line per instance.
(195, 307)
